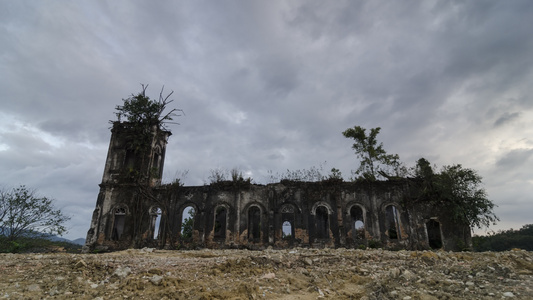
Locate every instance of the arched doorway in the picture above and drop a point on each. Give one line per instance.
(220, 223)
(357, 223)
(118, 223)
(322, 222)
(187, 222)
(392, 223)
(287, 222)
(434, 234)
(254, 224)
(155, 213)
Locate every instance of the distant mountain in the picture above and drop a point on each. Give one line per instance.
(53, 238)
(79, 241)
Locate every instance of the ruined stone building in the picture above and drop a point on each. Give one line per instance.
(134, 209)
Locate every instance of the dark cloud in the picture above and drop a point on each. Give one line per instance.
(506, 118)
(514, 158)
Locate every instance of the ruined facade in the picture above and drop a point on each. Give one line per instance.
(133, 209)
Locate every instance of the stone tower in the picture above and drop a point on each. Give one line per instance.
(134, 165)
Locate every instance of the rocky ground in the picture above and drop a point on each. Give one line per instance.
(270, 274)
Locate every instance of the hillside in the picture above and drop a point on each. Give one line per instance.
(270, 274)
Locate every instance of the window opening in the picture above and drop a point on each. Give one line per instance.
(156, 162)
(220, 223)
(434, 236)
(357, 222)
(187, 222)
(156, 222)
(129, 160)
(287, 221)
(254, 224)
(322, 228)
(287, 230)
(392, 222)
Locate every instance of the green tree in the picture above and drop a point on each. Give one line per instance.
(374, 161)
(143, 114)
(461, 190)
(456, 190)
(141, 109)
(187, 225)
(23, 213)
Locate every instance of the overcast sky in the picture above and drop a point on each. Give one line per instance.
(268, 86)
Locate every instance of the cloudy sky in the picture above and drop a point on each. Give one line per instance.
(268, 86)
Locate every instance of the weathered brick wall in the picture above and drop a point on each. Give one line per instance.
(134, 210)
(319, 214)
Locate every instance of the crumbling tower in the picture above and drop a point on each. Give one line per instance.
(134, 165)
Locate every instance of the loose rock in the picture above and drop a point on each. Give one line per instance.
(273, 274)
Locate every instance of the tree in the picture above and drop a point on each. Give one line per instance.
(187, 226)
(23, 213)
(461, 190)
(141, 109)
(374, 160)
(142, 114)
(456, 190)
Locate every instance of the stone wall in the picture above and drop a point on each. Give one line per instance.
(241, 215)
(133, 212)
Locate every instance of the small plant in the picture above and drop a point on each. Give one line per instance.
(236, 175)
(217, 175)
(374, 244)
(313, 174)
(179, 178)
(335, 174)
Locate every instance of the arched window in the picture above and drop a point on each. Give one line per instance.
(434, 236)
(322, 222)
(118, 223)
(156, 160)
(392, 222)
(357, 222)
(129, 159)
(220, 222)
(287, 219)
(254, 224)
(187, 222)
(155, 226)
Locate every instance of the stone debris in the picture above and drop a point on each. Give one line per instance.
(156, 279)
(271, 274)
(508, 294)
(122, 272)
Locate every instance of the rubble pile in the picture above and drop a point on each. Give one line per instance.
(270, 274)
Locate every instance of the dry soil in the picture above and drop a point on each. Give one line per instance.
(269, 274)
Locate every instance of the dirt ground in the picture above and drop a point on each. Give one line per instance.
(270, 274)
